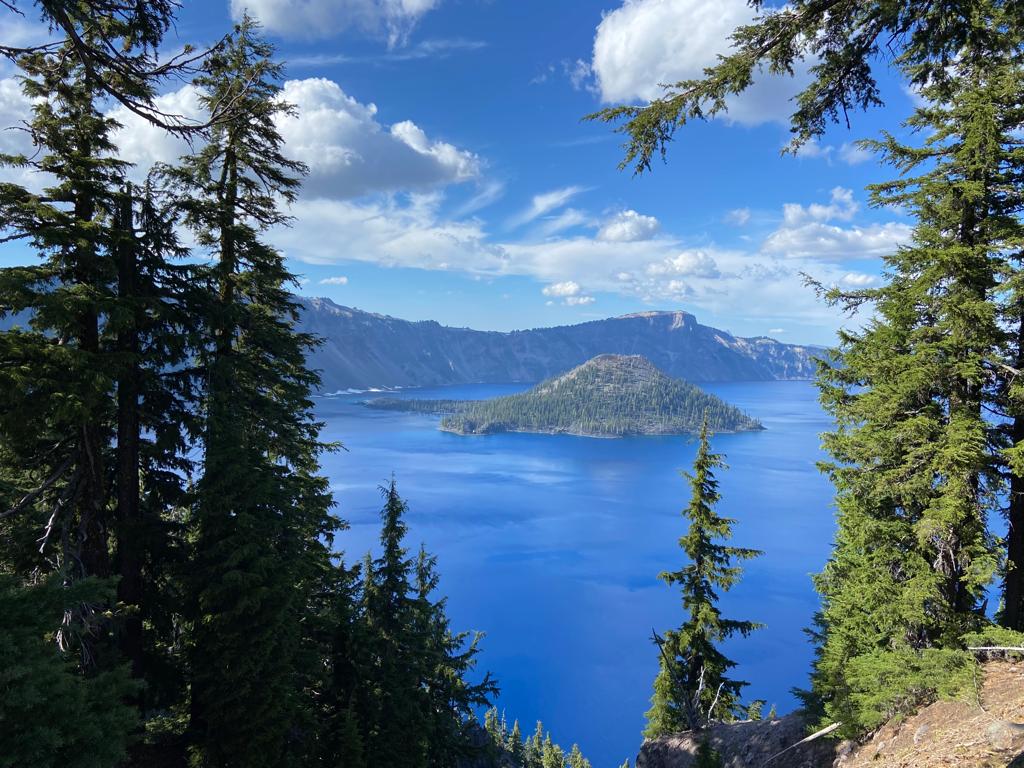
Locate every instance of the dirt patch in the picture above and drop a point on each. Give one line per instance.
(983, 729)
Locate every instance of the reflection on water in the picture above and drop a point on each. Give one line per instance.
(552, 544)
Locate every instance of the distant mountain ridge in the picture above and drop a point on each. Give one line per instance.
(607, 396)
(363, 350)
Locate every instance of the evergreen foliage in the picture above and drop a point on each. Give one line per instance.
(916, 457)
(162, 516)
(50, 715)
(707, 756)
(692, 686)
(260, 520)
(401, 676)
(843, 37)
(610, 396)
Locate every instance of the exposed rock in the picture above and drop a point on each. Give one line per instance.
(363, 350)
(984, 729)
(747, 744)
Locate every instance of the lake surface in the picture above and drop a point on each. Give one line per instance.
(552, 545)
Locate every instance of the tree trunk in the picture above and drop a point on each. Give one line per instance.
(129, 528)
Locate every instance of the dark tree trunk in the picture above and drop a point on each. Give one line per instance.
(130, 545)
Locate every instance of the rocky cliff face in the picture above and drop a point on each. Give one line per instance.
(364, 350)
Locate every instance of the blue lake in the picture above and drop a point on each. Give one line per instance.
(552, 545)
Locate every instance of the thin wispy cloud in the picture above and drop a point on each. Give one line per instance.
(425, 49)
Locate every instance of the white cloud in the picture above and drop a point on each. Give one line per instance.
(569, 292)
(567, 219)
(646, 43)
(806, 232)
(338, 280)
(349, 153)
(815, 149)
(487, 193)
(776, 330)
(627, 227)
(858, 280)
(579, 301)
(762, 284)
(842, 206)
(545, 203)
(318, 19)
(851, 154)
(738, 216)
(687, 264)
(819, 241)
(580, 74)
(567, 288)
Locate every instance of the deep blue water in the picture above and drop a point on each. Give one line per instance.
(552, 545)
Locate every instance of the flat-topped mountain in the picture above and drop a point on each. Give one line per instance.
(608, 396)
(363, 350)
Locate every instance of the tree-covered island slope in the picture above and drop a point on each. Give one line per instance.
(607, 396)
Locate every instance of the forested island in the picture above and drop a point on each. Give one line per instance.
(607, 396)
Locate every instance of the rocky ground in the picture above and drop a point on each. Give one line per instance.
(984, 729)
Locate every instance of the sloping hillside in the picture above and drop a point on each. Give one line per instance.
(985, 729)
(363, 350)
(609, 396)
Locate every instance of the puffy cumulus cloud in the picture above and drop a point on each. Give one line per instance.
(399, 231)
(829, 242)
(842, 206)
(627, 227)
(567, 288)
(414, 231)
(570, 292)
(142, 143)
(687, 264)
(348, 151)
(645, 43)
(806, 232)
(337, 280)
(318, 19)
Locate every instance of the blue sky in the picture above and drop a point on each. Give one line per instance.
(452, 179)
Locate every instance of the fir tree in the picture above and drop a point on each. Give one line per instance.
(515, 746)
(692, 685)
(915, 457)
(50, 715)
(576, 758)
(260, 520)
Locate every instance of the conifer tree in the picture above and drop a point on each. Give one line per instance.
(261, 516)
(50, 715)
(915, 457)
(576, 758)
(515, 746)
(692, 685)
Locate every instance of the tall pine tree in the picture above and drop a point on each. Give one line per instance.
(260, 520)
(692, 686)
(916, 456)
